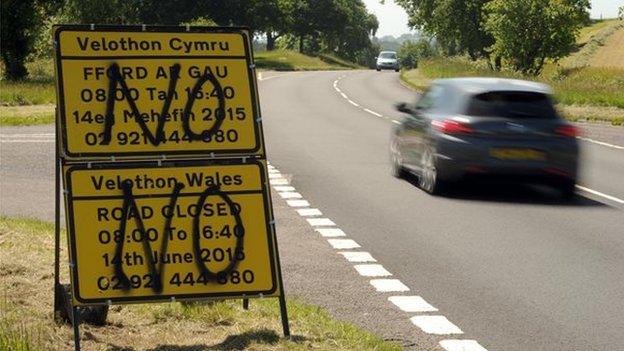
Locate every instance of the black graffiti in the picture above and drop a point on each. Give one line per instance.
(117, 79)
(129, 204)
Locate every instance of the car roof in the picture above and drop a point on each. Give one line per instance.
(479, 85)
(385, 52)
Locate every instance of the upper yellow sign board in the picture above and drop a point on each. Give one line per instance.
(151, 91)
(185, 230)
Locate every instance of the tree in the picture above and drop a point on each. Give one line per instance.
(20, 25)
(456, 24)
(528, 32)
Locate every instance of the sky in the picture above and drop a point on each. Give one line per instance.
(393, 19)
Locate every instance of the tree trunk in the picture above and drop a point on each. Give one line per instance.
(14, 67)
(270, 45)
(301, 44)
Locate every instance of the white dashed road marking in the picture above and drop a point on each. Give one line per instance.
(412, 304)
(290, 195)
(343, 244)
(320, 222)
(298, 203)
(284, 188)
(358, 256)
(308, 212)
(461, 345)
(389, 285)
(331, 232)
(436, 325)
(372, 270)
(278, 181)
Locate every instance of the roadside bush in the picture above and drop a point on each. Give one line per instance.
(411, 52)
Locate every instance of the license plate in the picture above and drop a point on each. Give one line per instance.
(517, 154)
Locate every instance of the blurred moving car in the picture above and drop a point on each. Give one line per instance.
(387, 60)
(485, 127)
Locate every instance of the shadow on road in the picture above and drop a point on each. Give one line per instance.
(511, 192)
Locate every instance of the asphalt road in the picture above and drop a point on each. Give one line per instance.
(514, 267)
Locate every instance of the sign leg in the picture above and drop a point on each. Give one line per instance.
(284, 314)
(58, 290)
(245, 304)
(76, 319)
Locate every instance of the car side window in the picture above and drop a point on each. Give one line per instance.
(430, 99)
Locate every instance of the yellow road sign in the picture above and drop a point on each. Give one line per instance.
(149, 232)
(134, 91)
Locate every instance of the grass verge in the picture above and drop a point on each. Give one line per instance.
(588, 93)
(26, 281)
(26, 115)
(286, 60)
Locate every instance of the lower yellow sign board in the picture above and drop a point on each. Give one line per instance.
(154, 231)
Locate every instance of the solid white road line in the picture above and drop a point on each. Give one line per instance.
(395, 121)
(389, 285)
(320, 222)
(358, 256)
(309, 212)
(373, 113)
(461, 345)
(609, 197)
(275, 175)
(412, 304)
(602, 143)
(343, 244)
(298, 203)
(331, 232)
(290, 195)
(372, 270)
(439, 325)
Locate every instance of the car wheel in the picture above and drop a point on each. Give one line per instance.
(396, 70)
(567, 189)
(397, 162)
(429, 179)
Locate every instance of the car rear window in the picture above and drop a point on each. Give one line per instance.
(512, 104)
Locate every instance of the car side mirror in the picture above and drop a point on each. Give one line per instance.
(404, 107)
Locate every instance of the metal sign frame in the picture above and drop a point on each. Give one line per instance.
(258, 149)
(71, 231)
(91, 160)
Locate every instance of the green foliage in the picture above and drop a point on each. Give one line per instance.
(456, 24)
(410, 53)
(19, 18)
(528, 32)
(572, 86)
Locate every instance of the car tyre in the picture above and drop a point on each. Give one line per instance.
(567, 189)
(429, 179)
(378, 69)
(397, 165)
(396, 70)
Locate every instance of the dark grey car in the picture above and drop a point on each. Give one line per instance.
(485, 127)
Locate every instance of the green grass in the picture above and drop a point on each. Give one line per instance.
(576, 86)
(591, 39)
(37, 89)
(26, 115)
(286, 60)
(26, 324)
